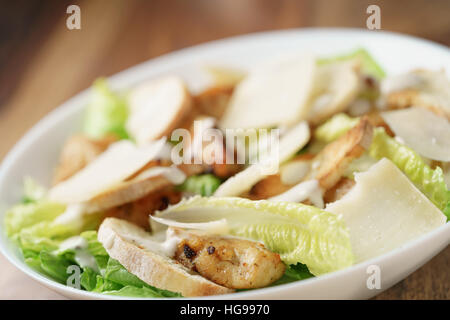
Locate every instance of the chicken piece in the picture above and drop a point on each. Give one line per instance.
(138, 211)
(329, 165)
(231, 262)
(411, 97)
(339, 190)
(214, 101)
(377, 120)
(77, 152)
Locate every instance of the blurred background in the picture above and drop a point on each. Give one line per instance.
(42, 64)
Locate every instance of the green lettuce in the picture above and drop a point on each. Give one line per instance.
(106, 113)
(298, 232)
(430, 182)
(294, 272)
(29, 214)
(334, 127)
(204, 184)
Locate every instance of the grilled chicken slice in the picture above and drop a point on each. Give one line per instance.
(77, 152)
(230, 262)
(330, 163)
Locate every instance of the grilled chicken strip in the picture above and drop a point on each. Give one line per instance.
(230, 262)
(330, 163)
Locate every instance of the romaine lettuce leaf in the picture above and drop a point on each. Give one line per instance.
(55, 266)
(430, 182)
(106, 113)
(26, 215)
(295, 272)
(299, 233)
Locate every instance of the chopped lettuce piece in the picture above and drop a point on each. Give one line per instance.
(106, 113)
(368, 64)
(430, 182)
(204, 184)
(88, 279)
(55, 266)
(299, 233)
(335, 127)
(294, 272)
(113, 278)
(26, 215)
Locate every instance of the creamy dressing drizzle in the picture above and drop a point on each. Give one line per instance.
(166, 248)
(82, 256)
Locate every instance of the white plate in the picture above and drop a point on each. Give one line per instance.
(36, 153)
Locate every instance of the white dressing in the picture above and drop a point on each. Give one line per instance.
(82, 256)
(166, 247)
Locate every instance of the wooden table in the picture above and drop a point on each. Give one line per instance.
(42, 64)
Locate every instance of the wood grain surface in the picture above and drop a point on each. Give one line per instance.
(42, 64)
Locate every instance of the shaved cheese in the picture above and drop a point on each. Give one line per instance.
(295, 139)
(156, 107)
(120, 161)
(384, 210)
(173, 174)
(273, 94)
(293, 172)
(336, 86)
(421, 130)
(290, 143)
(305, 190)
(213, 227)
